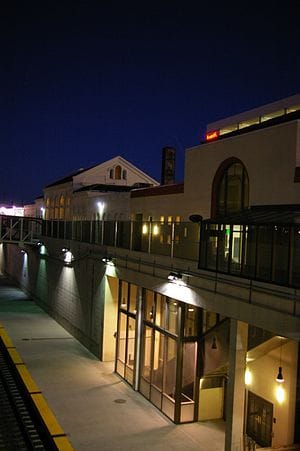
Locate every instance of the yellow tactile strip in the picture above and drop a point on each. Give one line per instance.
(56, 432)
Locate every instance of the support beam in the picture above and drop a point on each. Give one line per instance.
(235, 402)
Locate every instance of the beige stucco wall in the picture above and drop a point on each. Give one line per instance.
(115, 206)
(157, 206)
(269, 156)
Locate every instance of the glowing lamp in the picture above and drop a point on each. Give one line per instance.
(279, 377)
(248, 377)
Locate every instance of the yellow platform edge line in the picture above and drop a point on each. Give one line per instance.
(62, 443)
(5, 338)
(31, 386)
(47, 414)
(15, 356)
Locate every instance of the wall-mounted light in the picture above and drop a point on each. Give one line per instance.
(43, 212)
(68, 256)
(101, 207)
(40, 243)
(144, 229)
(23, 251)
(174, 276)
(155, 230)
(108, 261)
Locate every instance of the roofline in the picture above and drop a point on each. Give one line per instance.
(161, 190)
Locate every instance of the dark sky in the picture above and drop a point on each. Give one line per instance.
(84, 81)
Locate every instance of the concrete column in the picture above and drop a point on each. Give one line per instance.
(235, 400)
(138, 336)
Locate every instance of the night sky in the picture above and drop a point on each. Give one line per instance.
(84, 81)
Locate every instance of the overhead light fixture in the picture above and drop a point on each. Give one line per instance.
(280, 377)
(23, 251)
(40, 243)
(173, 276)
(214, 343)
(65, 249)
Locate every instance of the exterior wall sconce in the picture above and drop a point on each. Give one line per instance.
(155, 230)
(174, 276)
(144, 229)
(68, 256)
(23, 251)
(108, 261)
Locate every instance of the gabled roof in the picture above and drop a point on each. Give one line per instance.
(160, 190)
(68, 178)
(113, 161)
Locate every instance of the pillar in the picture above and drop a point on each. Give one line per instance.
(235, 401)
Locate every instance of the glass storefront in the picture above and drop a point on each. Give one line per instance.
(126, 336)
(170, 349)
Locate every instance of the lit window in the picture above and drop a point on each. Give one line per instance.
(170, 218)
(162, 219)
(118, 172)
(230, 188)
(266, 117)
(177, 219)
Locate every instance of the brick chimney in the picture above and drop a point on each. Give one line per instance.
(168, 166)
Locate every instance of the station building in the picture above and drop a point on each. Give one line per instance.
(195, 293)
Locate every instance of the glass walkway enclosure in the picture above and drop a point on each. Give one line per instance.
(260, 244)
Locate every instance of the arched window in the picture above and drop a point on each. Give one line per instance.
(62, 207)
(118, 172)
(111, 173)
(230, 192)
(124, 174)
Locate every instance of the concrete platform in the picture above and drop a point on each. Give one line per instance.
(96, 409)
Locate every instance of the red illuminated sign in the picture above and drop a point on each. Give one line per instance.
(212, 135)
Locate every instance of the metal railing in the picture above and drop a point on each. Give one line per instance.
(175, 240)
(16, 229)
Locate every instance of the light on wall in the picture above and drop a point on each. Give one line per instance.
(101, 206)
(145, 229)
(108, 261)
(174, 276)
(248, 377)
(280, 394)
(68, 256)
(155, 230)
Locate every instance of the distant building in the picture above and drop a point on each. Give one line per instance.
(83, 194)
(11, 210)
